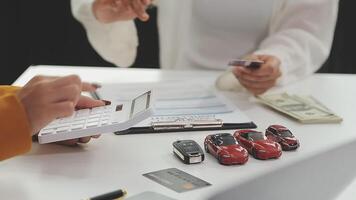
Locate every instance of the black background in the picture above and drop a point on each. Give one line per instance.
(37, 32)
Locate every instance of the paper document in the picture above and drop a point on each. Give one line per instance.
(177, 99)
(170, 98)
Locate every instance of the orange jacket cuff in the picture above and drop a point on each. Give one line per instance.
(15, 130)
(5, 89)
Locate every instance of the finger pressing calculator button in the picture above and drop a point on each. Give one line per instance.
(84, 122)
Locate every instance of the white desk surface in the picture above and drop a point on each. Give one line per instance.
(111, 162)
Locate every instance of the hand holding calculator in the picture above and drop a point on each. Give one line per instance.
(104, 119)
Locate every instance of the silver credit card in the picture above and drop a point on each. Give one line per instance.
(176, 180)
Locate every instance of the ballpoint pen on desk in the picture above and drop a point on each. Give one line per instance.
(117, 194)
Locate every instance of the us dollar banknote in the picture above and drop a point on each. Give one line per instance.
(305, 109)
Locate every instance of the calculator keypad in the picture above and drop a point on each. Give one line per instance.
(81, 119)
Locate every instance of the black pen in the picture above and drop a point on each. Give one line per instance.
(110, 196)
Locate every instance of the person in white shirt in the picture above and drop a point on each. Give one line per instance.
(292, 37)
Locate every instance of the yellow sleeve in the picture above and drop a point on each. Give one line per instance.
(8, 89)
(15, 130)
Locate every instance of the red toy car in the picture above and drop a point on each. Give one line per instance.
(283, 136)
(226, 149)
(257, 145)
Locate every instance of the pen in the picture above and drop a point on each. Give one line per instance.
(110, 196)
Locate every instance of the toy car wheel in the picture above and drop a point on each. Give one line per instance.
(219, 159)
(254, 153)
(206, 148)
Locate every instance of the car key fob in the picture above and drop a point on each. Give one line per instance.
(188, 151)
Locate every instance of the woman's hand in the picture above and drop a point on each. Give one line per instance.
(47, 98)
(260, 80)
(108, 11)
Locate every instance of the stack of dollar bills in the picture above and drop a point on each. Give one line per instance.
(305, 109)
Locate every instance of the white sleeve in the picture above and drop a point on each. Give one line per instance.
(115, 42)
(301, 35)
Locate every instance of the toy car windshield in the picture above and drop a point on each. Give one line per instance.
(286, 134)
(255, 136)
(226, 140)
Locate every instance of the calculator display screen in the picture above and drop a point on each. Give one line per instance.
(140, 104)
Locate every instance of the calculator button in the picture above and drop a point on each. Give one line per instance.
(97, 110)
(81, 113)
(55, 126)
(92, 124)
(62, 129)
(80, 118)
(94, 116)
(77, 126)
(105, 118)
(104, 122)
(80, 121)
(109, 107)
(65, 124)
(66, 119)
(93, 120)
(47, 131)
(107, 111)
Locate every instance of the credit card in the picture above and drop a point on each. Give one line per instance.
(251, 64)
(176, 180)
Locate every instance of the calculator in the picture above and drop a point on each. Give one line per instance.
(188, 151)
(103, 119)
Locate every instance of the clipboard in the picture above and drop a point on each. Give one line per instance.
(233, 118)
(188, 125)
